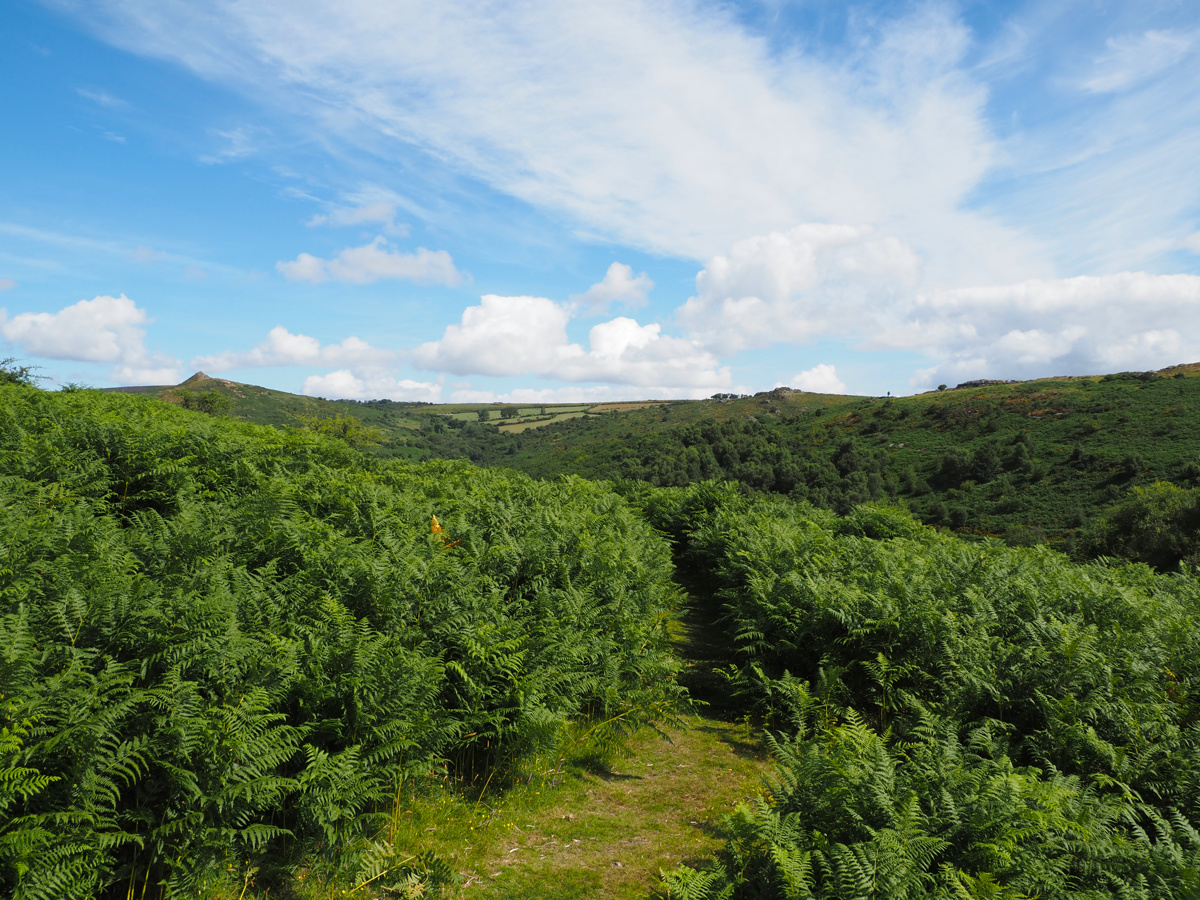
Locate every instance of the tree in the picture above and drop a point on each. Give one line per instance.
(1158, 524)
(347, 428)
(212, 403)
(11, 373)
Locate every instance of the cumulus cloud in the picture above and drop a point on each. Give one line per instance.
(1087, 324)
(282, 348)
(528, 336)
(820, 379)
(373, 262)
(1131, 59)
(620, 285)
(105, 329)
(500, 336)
(345, 384)
(826, 281)
(7, 284)
(379, 212)
(796, 285)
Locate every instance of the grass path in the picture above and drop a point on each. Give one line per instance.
(592, 830)
(606, 834)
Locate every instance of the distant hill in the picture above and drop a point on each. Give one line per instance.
(1028, 461)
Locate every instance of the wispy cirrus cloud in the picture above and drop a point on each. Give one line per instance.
(102, 98)
(1130, 59)
(233, 144)
(665, 126)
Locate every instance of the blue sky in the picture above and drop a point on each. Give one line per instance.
(554, 201)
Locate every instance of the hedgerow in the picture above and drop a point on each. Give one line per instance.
(221, 642)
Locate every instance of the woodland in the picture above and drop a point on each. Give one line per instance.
(234, 657)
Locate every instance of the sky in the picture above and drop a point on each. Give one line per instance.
(568, 200)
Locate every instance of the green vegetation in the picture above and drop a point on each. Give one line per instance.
(951, 719)
(224, 648)
(239, 661)
(1029, 462)
(594, 832)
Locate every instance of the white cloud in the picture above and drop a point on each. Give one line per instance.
(822, 281)
(148, 372)
(103, 98)
(1131, 59)
(373, 262)
(619, 285)
(528, 336)
(346, 385)
(501, 336)
(794, 286)
(1083, 325)
(667, 126)
(820, 379)
(238, 143)
(282, 348)
(304, 267)
(1191, 242)
(104, 329)
(144, 254)
(379, 212)
(7, 284)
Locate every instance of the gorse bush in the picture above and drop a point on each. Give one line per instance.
(953, 719)
(220, 641)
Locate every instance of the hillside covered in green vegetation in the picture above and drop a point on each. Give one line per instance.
(1051, 460)
(245, 661)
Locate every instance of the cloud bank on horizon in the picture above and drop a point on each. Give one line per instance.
(887, 194)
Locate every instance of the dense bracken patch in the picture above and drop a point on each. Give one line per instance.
(952, 719)
(220, 642)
